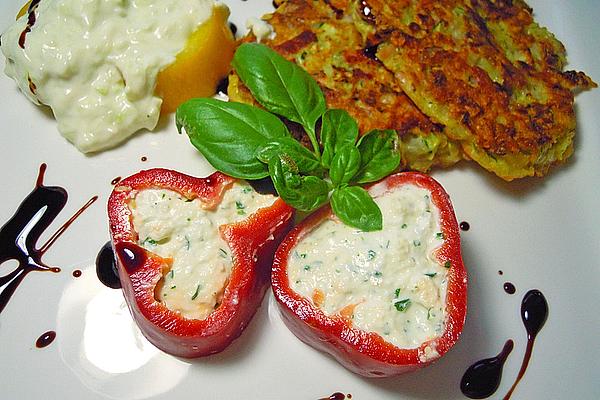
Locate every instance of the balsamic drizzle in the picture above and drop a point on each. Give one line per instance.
(131, 256)
(534, 312)
(19, 236)
(337, 396)
(45, 339)
(106, 269)
(509, 288)
(482, 378)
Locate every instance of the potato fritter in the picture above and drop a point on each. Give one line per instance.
(486, 71)
(474, 79)
(317, 36)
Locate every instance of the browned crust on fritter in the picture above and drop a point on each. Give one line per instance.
(493, 76)
(357, 83)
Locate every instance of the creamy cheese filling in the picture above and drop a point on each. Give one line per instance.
(389, 281)
(185, 232)
(95, 62)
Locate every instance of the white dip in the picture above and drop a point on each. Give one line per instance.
(387, 282)
(181, 230)
(95, 62)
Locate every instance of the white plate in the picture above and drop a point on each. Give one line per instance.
(542, 233)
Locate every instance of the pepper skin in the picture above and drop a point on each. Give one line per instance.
(366, 353)
(252, 242)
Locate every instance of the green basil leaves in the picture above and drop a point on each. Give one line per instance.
(230, 134)
(250, 143)
(280, 86)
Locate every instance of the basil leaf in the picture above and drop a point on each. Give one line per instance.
(305, 193)
(379, 153)
(280, 86)
(338, 128)
(304, 159)
(229, 134)
(355, 207)
(345, 164)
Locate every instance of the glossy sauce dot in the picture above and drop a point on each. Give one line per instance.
(482, 378)
(45, 339)
(509, 288)
(106, 270)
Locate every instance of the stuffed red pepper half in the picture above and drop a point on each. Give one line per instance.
(385, 302)
(193, 255)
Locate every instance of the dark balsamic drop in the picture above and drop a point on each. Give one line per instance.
(500, 272)
(465, 226)
(223, 85)
(19, 236)
(115, 181)
(77, 273)
(131, 256)
(106, 269)
(534, 312)
(336, 396)
(509, 288)
(482, 378)
(45, 340)
(144, 159)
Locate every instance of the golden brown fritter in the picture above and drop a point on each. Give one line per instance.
(318, 37)
(486, 71)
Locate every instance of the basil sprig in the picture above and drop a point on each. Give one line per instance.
(250, 143)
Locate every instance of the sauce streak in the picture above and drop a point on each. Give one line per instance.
(482, 378)
(19, 236)
(106, 269)
(45, 339)
(534, 312)
(337, 396)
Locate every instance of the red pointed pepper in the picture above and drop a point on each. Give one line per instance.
(252, 243)
(367, 353)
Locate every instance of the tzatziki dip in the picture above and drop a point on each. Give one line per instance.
(95, 62)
